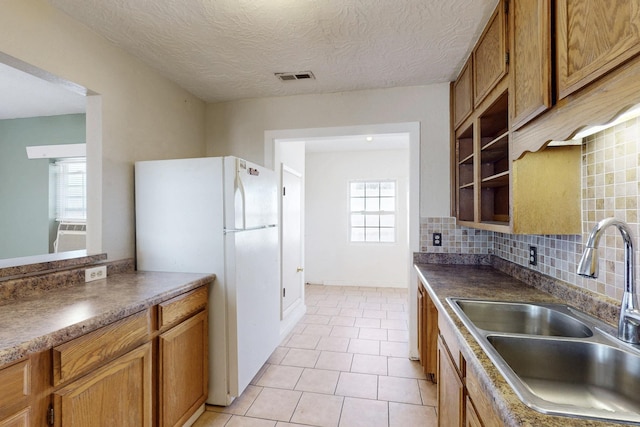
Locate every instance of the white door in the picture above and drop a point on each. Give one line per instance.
(292, 269)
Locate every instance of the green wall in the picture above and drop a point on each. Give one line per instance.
(24, 184)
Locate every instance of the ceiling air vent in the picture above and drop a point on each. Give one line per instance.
(303, 75)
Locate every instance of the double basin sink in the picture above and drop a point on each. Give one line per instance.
(557, 359)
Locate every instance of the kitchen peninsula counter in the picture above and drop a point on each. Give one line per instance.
(488, 282)
(40, 321)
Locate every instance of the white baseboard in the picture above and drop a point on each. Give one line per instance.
(293, 317)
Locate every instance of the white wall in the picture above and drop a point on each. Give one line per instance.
(238, 127)
(331, 259)
(144, 115)
(292, 154)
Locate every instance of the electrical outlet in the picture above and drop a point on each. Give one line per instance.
(533, 255)
(437, 239)
(95, 273)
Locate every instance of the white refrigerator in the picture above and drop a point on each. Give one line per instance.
(217, 215)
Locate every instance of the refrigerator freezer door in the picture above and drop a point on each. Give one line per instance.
(179, 219)
(251, 195)
(253, 293)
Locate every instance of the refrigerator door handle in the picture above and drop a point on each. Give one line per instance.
(238, 230)
(240, 209)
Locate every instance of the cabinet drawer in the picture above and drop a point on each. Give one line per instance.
(89, 351)
(179, 308)
(14, 384)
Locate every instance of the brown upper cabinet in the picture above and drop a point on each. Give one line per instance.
(463, 94)
(506, 177)
(490, 55)
(490, 190)
(593, 38)
(482, 166)
(529, 60)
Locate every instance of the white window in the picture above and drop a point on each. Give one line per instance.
(71, 189)
(373, 211)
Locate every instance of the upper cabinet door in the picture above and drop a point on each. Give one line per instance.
(593, 37)
(490, 56)
(530, 59)
(463, 94)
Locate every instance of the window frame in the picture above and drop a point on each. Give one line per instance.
(378, 213)
(61, 209)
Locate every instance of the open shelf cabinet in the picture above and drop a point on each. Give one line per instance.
(494, 161)
(483, 168)
(506, 176)
(465, 175)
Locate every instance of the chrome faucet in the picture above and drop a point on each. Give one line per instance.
(629, 322)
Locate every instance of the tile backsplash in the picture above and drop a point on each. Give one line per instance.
(610, 188)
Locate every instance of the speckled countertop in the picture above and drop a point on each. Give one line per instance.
(37, 322)
(485, 282)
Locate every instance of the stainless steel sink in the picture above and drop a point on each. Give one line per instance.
(557, 359)
(523, 318)
(574, 377)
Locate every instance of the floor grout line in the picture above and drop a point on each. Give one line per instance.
(386, 311)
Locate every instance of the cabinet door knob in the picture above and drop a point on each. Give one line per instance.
(299, 269)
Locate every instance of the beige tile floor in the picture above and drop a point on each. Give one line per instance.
(345, 364)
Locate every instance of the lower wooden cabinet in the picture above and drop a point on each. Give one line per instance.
(15, 391)
(472, 417)
(427, 333)
(147, 369)
(182, 375)
(450, 390)
(479, 403)
(119, 393)
(461, 400)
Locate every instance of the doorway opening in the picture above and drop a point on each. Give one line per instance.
(309, 151)
(356, 210)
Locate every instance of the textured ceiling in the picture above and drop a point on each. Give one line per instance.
(222, 50)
